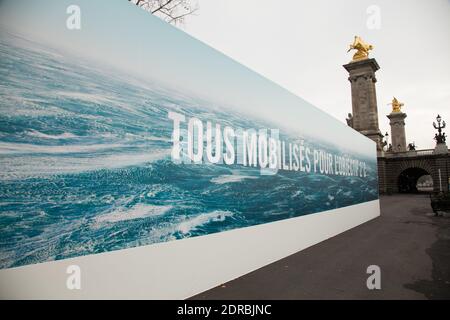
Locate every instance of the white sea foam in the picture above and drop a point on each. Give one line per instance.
(311, 197)
(38, 134)
(87, 97)
(99, 98)
(156, 189)
(296, 194)
(14, 168)
(108, 135)
(21, 148)
(193, 223)
(229, 178)
(132, 136)
(14, 105)
(138, 211)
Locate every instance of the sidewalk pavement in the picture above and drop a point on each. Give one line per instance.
(409, 244)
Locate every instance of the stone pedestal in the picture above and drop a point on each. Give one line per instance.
(441, 148)
(364, 98)
(398, 137)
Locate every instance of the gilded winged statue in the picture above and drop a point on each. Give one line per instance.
(396, 105)
(362, 49)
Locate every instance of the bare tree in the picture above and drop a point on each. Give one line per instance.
(172, 11)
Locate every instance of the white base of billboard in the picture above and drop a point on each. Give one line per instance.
(180, 269)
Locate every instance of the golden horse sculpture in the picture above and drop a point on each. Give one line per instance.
(362, 49)
(396, 105)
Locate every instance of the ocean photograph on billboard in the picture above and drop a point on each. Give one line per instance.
(128, 132)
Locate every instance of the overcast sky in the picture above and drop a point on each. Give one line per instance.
(302, 46)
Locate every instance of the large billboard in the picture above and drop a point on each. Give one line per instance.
(127, 132)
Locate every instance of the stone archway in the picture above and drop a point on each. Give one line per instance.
(407, 180)
(410, 172)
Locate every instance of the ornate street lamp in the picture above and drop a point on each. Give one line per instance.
(386, 142)
(439, 137)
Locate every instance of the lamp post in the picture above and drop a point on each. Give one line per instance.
(447, 189)
(439, 137)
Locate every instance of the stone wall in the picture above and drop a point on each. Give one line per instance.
(389, 170)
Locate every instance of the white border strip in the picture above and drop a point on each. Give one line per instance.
(180, 269)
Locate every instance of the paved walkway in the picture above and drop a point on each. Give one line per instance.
(411, 246)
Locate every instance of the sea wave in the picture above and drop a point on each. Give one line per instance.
(131, 136)
(26, 148)
(229, 178)
(138, 211)
(95, 98)
(38, 134)
(85, 166)
(193, 223)
(16, 168)
(100, 98)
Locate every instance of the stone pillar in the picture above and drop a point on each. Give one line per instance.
(398, 137)
(364, 98)
(441, 176)
(441, 148)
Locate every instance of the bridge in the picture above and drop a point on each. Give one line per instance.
(400, 171)
(399, 166)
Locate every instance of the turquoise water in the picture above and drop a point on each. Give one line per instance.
(85, 165)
